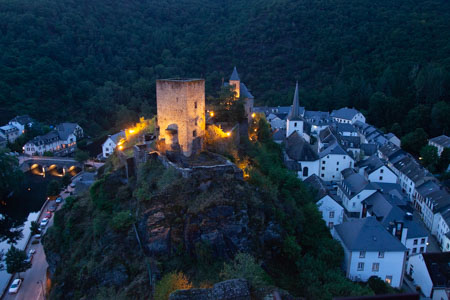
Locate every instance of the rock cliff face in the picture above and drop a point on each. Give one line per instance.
(235, 289)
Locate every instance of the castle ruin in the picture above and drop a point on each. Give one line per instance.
(181, 114)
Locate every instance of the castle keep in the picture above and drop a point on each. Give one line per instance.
(181, 113)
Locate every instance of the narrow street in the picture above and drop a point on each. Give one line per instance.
(35, 277)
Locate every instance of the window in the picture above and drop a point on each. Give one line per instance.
(323, 168)
(415, 242)
(354, 204)
(337, 169)
(195, 122)
(295, 124)
(305, 171)
(414, 250)
(360, 266)
(362, 254)
(337, 163)
(388, 279)
(331, 214)
(195, 104)
(422, 241)
(324, 162)
(375, 267)
(381, 177)
(194, 133)
(422, 249)
(322, 175)
(345, 157)
(381, 254)
(330, 225)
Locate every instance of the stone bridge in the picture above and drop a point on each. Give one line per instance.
(45, 163)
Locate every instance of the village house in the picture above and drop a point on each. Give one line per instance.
(112, 142)
(393, 139)
(440, 142)
(300, 157)
(443, 229)
(21, 122)
(374, 170)
(370, 250)
(353, 190)
(327, 203)
(10, 132)
(430, 272)
(347, 115)
(62, 139)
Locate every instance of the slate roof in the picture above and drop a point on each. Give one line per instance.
(344, 113)
(65, 129)
(234, 75)
(318, 184)
(298, 149)
(334, 148)
(345, 127)
(390, 150)
(245, 91)
(415, 229)
(442, 140)
(45, 139)
(369, 149)
(350, 141)
(275, 109)
(326, 136)
(361, 125)
(23, 120)
(437, 195)
(118, 136)
(8, 127)
(355, 183)
(294, 114)
(279, 134)
(371, 164)
(438, 267)
(367, 234)
(412, 169)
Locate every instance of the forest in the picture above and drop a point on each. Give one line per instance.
(96, 62)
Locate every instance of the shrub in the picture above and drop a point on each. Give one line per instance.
(122, 221)
(245, 266)
(170, 283)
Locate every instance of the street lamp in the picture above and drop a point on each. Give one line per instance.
(42, 288)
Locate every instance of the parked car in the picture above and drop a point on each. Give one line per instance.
(58, 200)
(29, 258)
(72, 185)
(15, 286)
(37, 236)
(44, 222)
(48, 215)
(52, 208)
(32, 251)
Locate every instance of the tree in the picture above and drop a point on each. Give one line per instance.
(66, 179)
(170, 283)
(10, 174)
(444, 160)
(15, 260)
(429, 157)
(34, 228)
(81, 156)
(414, 141)
(53, 188)
(244, 266)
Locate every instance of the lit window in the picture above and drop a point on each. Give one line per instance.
(388, 279)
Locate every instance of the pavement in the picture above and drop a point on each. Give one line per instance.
(34, 279)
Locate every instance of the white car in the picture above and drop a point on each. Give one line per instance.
(32, 251)
(58, 200)
(14, 288)
(44, 222)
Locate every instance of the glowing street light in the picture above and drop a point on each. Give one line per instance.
(253, 115)
(120, 147)
(211, 114)
(228, 133)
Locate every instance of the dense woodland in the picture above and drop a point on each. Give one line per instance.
(95, 62)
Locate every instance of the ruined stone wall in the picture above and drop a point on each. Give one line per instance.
(181, 106)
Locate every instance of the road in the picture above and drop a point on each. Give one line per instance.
(31, 288)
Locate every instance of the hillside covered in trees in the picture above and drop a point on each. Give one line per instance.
(95, 62)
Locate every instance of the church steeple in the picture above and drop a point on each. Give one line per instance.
(235, 76)
(295, 110)
(236, 82)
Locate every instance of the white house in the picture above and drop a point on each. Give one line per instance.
(10, 132)
(353, 190)
(374, 170)
(21, 122)
(443, 228)
(346, 129)
(440, 142)
(62, 139)
(276, 121)
(332, 211)
(393, 139)
(347, 115)
(369, 250)
(111, 143)
(334, 159)
(430, 271)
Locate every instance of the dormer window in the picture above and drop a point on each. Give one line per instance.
(295, 124)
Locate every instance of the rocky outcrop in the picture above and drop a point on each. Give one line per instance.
(234, 289)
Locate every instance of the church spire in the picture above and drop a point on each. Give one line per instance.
(295, 110)
(235, 75)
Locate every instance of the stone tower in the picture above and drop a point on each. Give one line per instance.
(236, 82)
(181, 113)
(295, 119)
